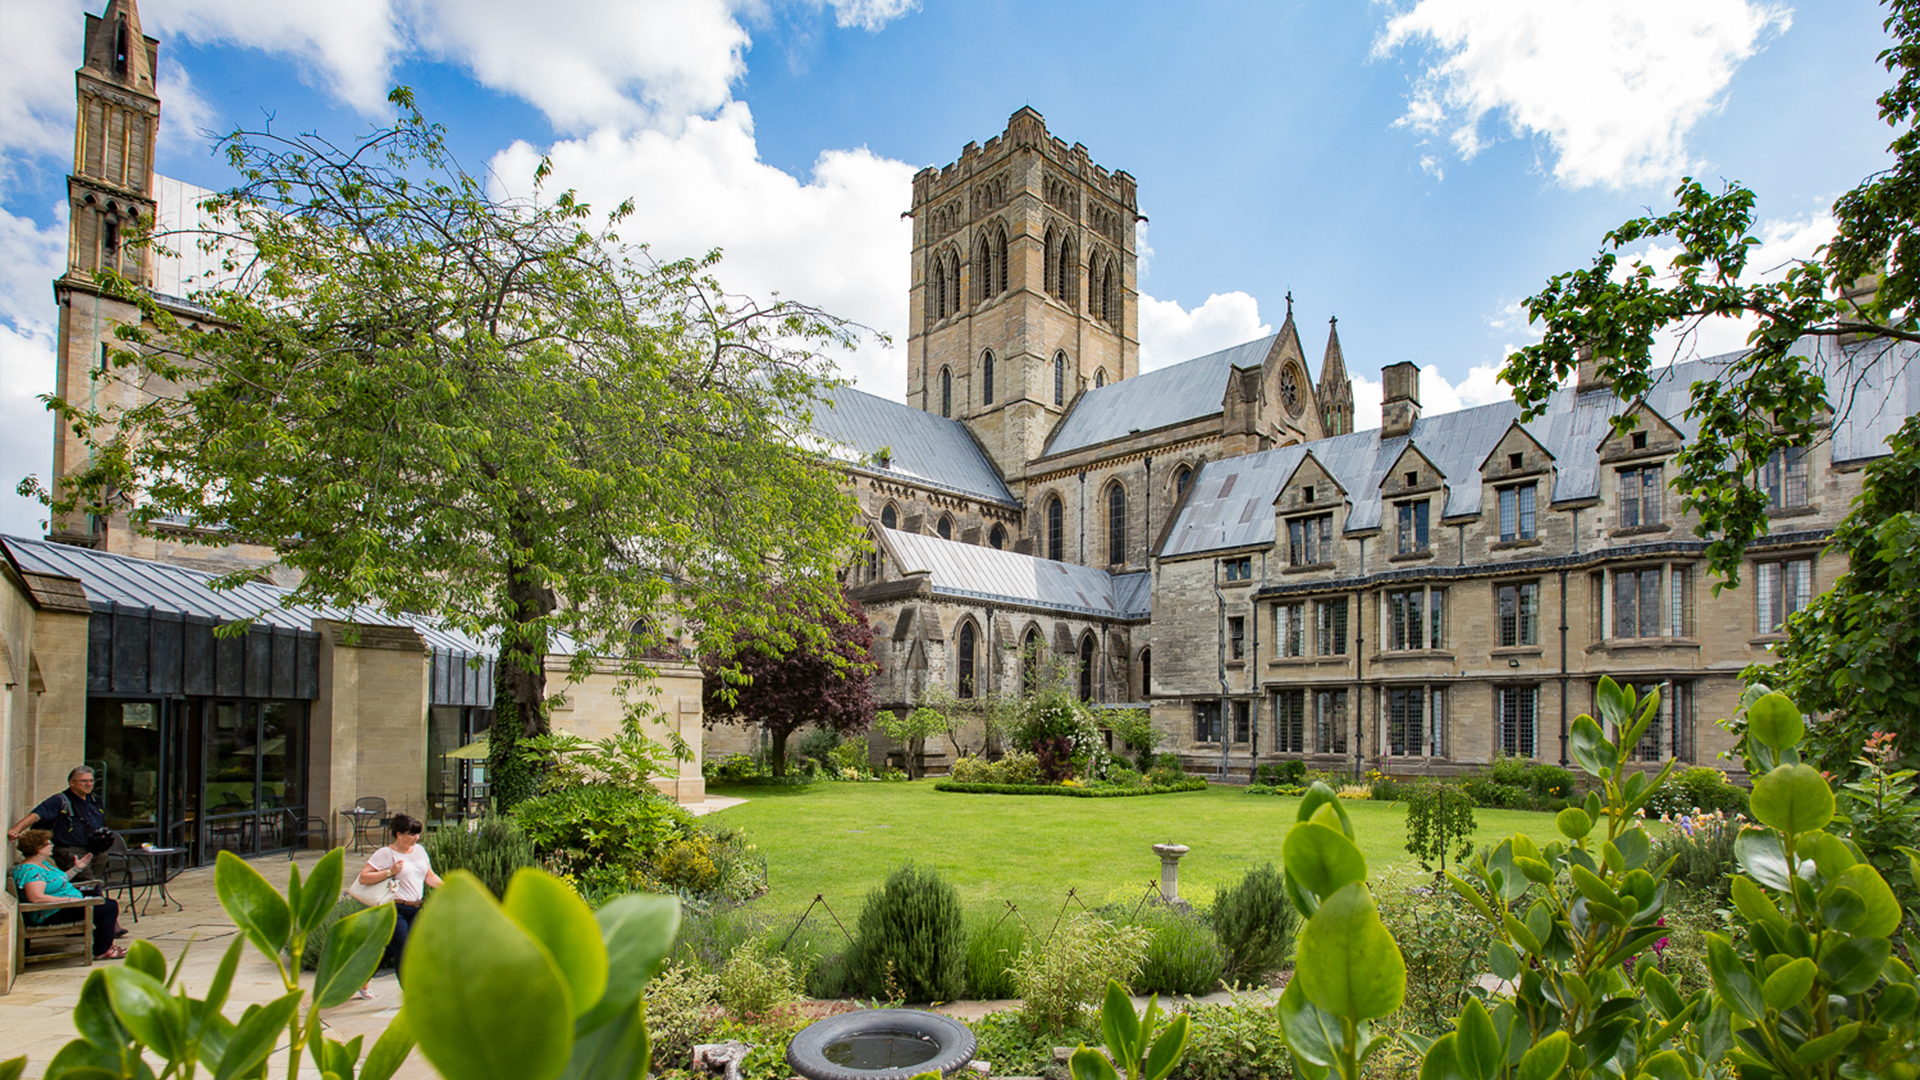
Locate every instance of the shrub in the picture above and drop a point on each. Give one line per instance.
(679, 1010)
(816, 745)
(686, 864)
(1702, 789)
(852, 759)
(754, 981)
(1387, 789)
(732, 769)
(1167, 770)
(602, 823)
(1508, 771)
(1183, 956)
(1060, 978)
(1121, 776)
(741, 871)
(1360, 792)
(1241, 1040)
(1702, 852)
(1444, 948)
(1486, 793)
(1255, 922)
(1439, 819)
(990, 952)
(1014, 1047)
(911, 933)
(493, 849)
(1134, 729)
(1277, 773)
(1549, 782)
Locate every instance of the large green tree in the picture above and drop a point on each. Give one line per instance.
(428, 397)
(1864, 284)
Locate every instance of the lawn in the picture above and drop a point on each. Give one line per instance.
(839, 840)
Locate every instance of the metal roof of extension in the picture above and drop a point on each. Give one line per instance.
(142, 583)
(983, 573)
(923, 449)
(1231, 503)
(1155, 399)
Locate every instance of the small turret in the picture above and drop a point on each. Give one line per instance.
(1335, 392)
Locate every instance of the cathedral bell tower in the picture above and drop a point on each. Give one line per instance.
(1024, 289)
(109, 193)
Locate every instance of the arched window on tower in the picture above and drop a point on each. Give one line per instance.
(946, 392)
(937, 290)
(1059, 378)
(120, 47)
(967, 643)
(986, 377)
(1056, 529)
(890, 517)
(945, 527)
(1182, 476)
(1030, 651)
(1050, 262)
(1099, 378)
(1000, 258)
(1086, 668)
(997, 537)
(1116, 524)
(1069, 273)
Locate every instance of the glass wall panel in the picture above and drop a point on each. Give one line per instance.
(123, 747)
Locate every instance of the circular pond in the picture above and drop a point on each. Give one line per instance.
(880, 1044)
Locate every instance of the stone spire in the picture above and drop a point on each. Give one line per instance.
(1335, 392)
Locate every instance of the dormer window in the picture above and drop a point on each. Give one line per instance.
(1784, 478)
(1642, 492)
(1517, 512)
(1639, 440)
(1413, 527)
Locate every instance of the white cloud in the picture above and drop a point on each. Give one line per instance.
(1437, 394)
(345, 47)
(1170, 333)
(837, 241)
(185, 115)
(34, 256)
(871, 15)
(37, 54)
(1613, 86)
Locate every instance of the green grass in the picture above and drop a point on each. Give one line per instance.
(841, 840)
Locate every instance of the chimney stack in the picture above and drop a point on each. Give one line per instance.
(1587, 370)
(1400, 404)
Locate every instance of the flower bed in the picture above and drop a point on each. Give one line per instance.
(1096, 792)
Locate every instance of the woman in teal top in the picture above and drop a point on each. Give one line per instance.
(40, 881)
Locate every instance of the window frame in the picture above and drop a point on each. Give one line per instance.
(1516, 606)
(1770, 591)
(1330, 624)
(1519, 512)
(1290, 727)
(1236, 637)
(1413, 519)
(1645, 496)
(1516, 721)
(1310, 540)
(1430, 619)
(1289, 629)
(1116, 523)
(1209, 726)
(1778, 478)
(1332, 727)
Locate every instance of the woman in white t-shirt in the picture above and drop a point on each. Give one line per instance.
(405, 863)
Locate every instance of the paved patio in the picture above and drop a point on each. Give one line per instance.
(36, 1018)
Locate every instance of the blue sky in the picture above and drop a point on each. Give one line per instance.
(1416, 168)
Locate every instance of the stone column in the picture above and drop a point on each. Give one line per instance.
(1170, 870)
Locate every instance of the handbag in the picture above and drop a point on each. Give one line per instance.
(382, 892)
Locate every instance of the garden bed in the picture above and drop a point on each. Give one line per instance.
(1101, 792)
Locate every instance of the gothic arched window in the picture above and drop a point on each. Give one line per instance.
(890, 517)
(1060, 378)
(1050, 264)
(1086, 668)
(1069, 272)
(120, 47)
(965, 659)
(1030, 650)
(945, 527)
(997, 539)
(1056, 529)
(1116, 524)
(946, 392)
(986, 377)
(1146, 673)
(1000, 258)
(1099, 378)
(1181, 478)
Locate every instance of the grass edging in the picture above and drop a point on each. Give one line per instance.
(1194, 784)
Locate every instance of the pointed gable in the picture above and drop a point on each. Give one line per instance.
(1517, 454)
(1652, 435)
(1309, 488)
(1412, 473)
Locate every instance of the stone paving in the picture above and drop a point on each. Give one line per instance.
(36, 1018)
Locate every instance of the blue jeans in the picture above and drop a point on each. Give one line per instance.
(404, 914)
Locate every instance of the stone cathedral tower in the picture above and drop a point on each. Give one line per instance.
(109, 192)
(1024, 288)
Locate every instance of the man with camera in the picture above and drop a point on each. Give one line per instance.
(78, 824)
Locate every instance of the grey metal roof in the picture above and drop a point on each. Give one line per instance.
(984, 573)
(1155, 399)
(924, 449)
(140, 583)
(1231, 503)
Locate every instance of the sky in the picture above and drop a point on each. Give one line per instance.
(1415, 167)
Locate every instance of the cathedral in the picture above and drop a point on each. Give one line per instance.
(1221, 542)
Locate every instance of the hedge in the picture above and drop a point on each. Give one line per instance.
(1194, 784)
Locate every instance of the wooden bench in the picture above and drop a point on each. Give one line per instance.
(79, 933)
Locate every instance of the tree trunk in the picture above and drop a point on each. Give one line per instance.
(777, 750)
(915, 747)
(520, 687)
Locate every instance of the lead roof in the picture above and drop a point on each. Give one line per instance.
(1231, 501)
(1176, 394)
(973, 572)
(924, 449)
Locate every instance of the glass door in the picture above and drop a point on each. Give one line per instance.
(124, 742)
(254, 792)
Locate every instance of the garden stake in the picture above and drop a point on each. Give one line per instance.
(822, 902)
